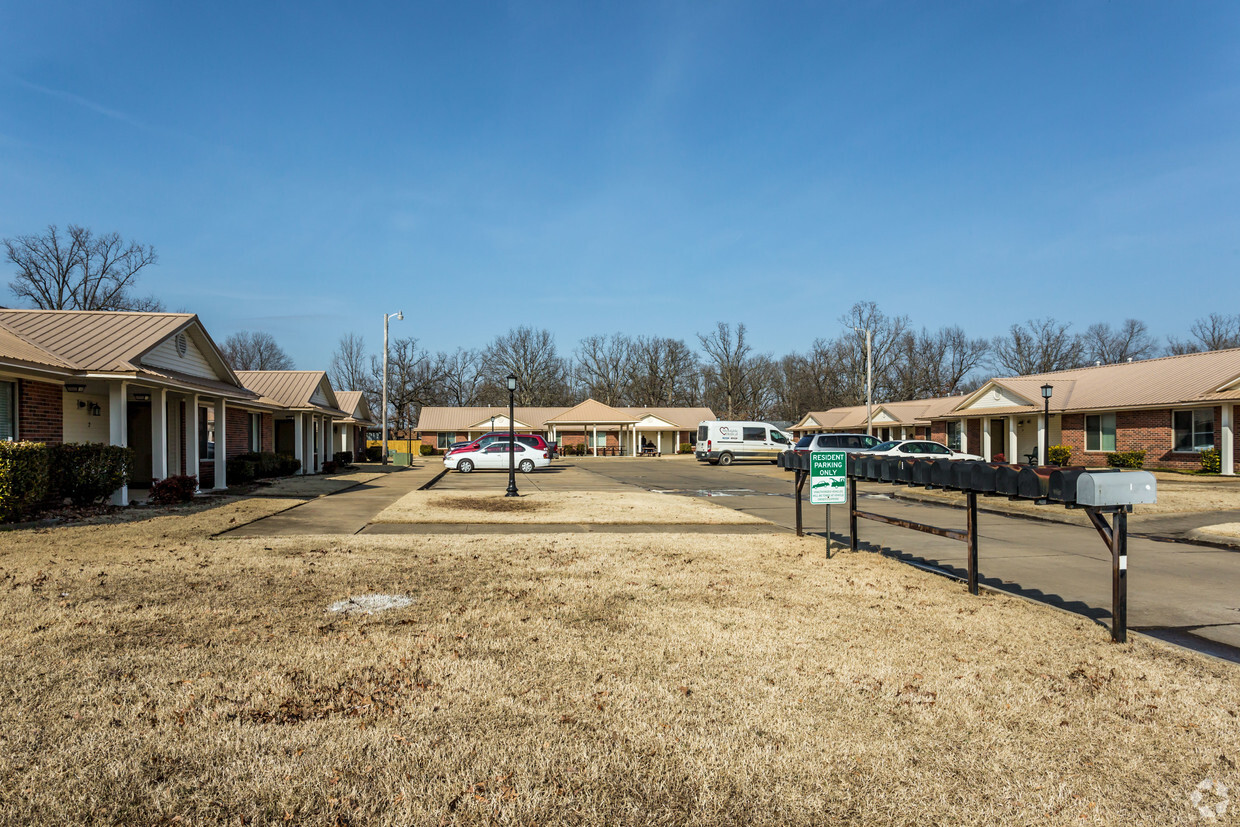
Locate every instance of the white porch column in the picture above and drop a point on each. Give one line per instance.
(964, 436)
(986, 450)
(1227, 451)
(191, 436)
(328, 424)
(159, 434)
(633, 447)
(1012, 455)
(221, 444)
(1044, 435)
(118, 430)
(299, 440)
(594, 441)
(658, 443)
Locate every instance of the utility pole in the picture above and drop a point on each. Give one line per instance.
(400, 317)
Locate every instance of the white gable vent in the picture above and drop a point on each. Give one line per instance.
(182, 345)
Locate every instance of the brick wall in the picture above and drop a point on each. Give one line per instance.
(267, 431)
(236, 432)
(938, 430)
(40, 412)
(973, 433)
(1151, 431)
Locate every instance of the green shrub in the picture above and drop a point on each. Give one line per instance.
(24, 478)
(686, 447)
(1212, 461)
(428, 451)
(1126, 459)
(343, 458)
(374, 453)
(329, 467)
(1060, 454)
(240, 469)
(176, 489)
(87, 472)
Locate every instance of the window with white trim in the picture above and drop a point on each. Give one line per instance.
(954, 431)
(8, 411)
(443, 439)
(1100, 432)
(256, 432)
(1194, 430)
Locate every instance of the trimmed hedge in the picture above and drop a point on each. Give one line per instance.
(25, 476)
(175, 489)
(88, 472)
(1126, 459)
(1060, 454)
(428, 450)
(374, 453)
(343, 458)
(329, 467)
(686, 448)
(252, 466)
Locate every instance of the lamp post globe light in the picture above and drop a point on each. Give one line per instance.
(1047, 390)
(400, 317)
(512, 439)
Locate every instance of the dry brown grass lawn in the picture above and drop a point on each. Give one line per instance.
(552, 507)
(153, 676)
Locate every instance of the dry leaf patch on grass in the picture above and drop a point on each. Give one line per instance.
(552, 507)
(618, 679)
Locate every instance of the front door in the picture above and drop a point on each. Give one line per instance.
(998, 439)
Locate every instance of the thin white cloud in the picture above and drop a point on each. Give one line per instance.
(78, 100)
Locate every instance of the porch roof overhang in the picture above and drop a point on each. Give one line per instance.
(184, 383)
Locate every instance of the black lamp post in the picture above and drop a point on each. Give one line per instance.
(1046, 422)
(512, 439)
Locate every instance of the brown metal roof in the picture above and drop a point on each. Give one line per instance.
(290, 389)
(352, 403)
(18, 349)
(592, 412)
(440, 418)
(95, 340)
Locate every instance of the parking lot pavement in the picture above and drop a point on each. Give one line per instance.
(1178, 591)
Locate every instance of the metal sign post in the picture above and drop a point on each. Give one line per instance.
(828, 482)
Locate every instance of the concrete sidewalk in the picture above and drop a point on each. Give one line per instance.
(343, 512)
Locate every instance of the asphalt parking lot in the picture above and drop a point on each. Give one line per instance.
(1182, 592)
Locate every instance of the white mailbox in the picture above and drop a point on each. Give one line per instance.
(1124, 488)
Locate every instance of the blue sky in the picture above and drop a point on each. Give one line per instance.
(641, 167)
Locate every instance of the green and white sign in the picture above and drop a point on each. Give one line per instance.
(828, 478)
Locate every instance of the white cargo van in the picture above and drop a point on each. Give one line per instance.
(722, 443)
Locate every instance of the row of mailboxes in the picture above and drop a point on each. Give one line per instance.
(1071, 486)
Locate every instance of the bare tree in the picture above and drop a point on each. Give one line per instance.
(1214, 332)
(1037, 346)
(349, 369)
(886, 334)
(542, 375)
(463, 377)
(1109, 346)
(809, 381)
(601, 366)
(255, 350)
(78, 270)
(736, 381)
(661, 373)
(935, 364)
(415, 379)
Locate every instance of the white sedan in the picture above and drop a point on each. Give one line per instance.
(494, 456)
(916, 449)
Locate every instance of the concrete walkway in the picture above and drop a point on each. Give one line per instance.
(347, 511)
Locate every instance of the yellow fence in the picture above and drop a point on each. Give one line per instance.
(401, 451)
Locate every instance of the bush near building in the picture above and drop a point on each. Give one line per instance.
(24, 478)
(87, 472)
(1126, 459)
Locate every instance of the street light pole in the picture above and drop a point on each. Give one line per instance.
(1047, 390)
(400, 317)
(512, 439)
(869, 382)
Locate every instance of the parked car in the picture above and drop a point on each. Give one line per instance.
(835, 442)
(533, 440)
(494, 456)
(723, 442)
(917, 449)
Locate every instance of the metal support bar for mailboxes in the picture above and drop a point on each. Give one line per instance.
(1116, 538)
(800, 484)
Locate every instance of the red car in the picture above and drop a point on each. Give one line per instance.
(533, 440)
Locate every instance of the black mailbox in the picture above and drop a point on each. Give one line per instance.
(985, 478)
(921, 471)
(1032, 485)
(871, 468)
(962, 474)
(941, 473)
(905, 472)
(851, 463)
(890, 470)
(1062, 488)
(1008, 480)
